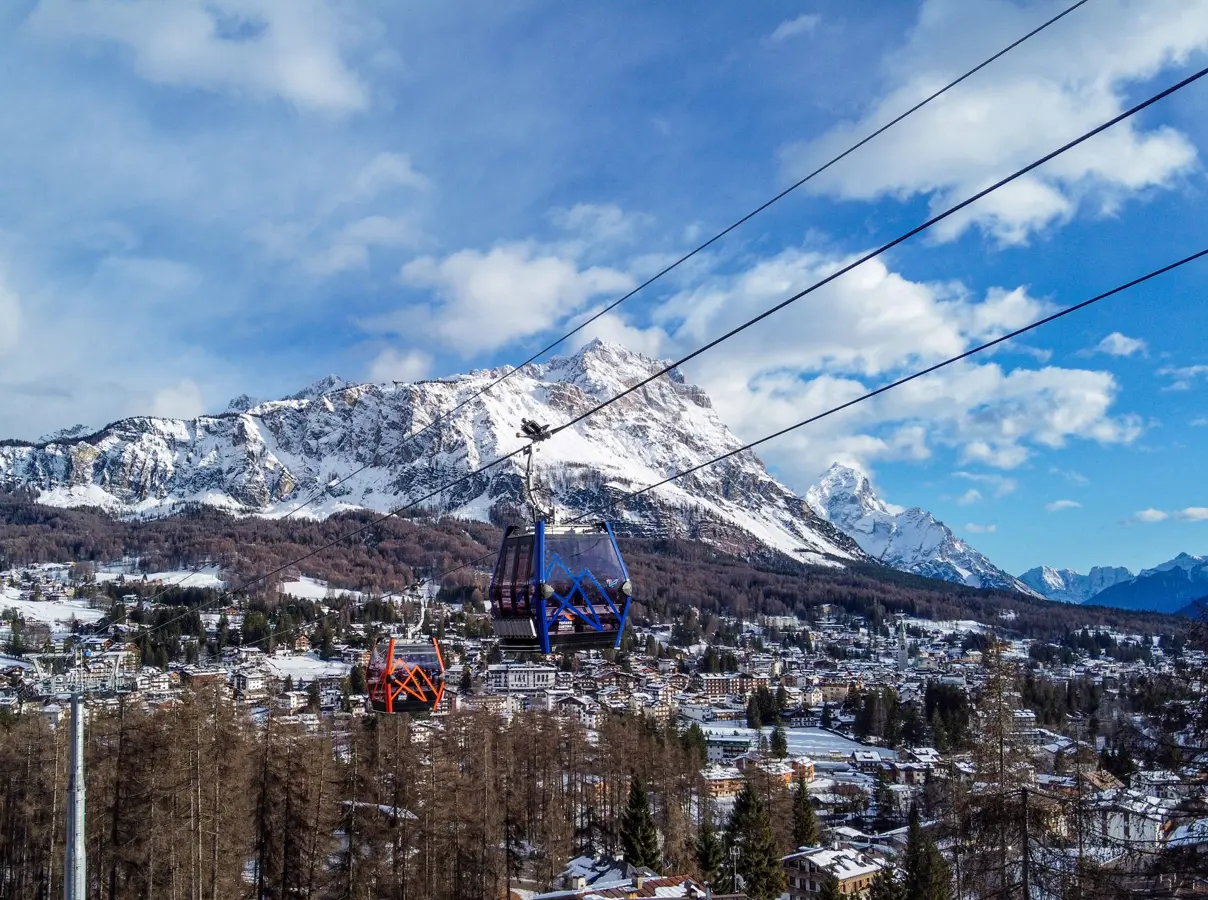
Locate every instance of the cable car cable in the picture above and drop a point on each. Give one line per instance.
(901, 381)
(1144, 104)
(981, 348)
(677, 263)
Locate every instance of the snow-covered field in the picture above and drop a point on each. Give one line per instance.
(312, 589)
(203, 578)
(814, 742)
(306, 668)
(52, 612)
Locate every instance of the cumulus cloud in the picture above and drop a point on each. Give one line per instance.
(1187, 514)
(969, 497)
(390, 365)
(1117, 344)
(287, 49)
(972, 135)
(182, 400)
(1150, 516)
(862, 330)
(802, 24)
(482, 300)
(973, 528)
(1071, 475)
(1059, 505)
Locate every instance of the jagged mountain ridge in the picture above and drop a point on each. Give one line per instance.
(1068, 586)
(1168, 587)
(912, 540)
(270, 457)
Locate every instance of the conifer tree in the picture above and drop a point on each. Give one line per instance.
(806, 832)
(780, 741)
(750, 831)
(639, 837)
(927, 873)
(710, 856)
(885, 887)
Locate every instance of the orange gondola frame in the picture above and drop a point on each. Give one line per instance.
(398, 684)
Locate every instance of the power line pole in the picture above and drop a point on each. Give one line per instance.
(76, 867)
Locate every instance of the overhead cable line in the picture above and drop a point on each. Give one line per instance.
(901, 381)
(674, 265)
(952, 210)
(981, 348)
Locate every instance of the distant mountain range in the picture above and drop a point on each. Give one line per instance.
(351, 445)
(1172, 587)
(912, 540)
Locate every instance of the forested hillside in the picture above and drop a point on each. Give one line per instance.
(672, 576)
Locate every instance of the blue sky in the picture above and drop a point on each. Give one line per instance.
(203, 199)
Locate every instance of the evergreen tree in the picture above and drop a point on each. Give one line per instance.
(356, 680)
(828, 716)
(806, 832)
(830, 889)
(750, 831)
(780, 741)
(882, 794)
(885, 887)
(639, 837)
(313, 699)
(710, 856)
(927, 874)
(754, 716)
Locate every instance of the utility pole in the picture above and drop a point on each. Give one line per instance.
(1027, 870)
(76, 867)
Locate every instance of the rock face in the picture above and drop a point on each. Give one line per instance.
(912, 540)
(268, 458)
(1068, 586)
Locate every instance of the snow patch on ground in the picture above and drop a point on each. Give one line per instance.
(303, 669)
(816, 742)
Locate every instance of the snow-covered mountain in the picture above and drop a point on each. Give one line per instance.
(912, 540)
(1167, 587)
(267, 458)
(1069, 586)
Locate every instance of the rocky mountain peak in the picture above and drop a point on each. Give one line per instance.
(912, 540)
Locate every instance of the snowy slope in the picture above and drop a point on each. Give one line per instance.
(270, 457)
(912, 540)
(1069, 586)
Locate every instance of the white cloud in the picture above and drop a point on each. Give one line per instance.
(287, 49)
(484, 300)
(969, 497)
(385, 172)
(1184, 376)
(1199, 423)
(393, 366)
(182, 400)
(1059, 505)
(599, 223)
(1150, 516)
(862, 330)
(980, 529)
(350, 247)
(10, 316)
(972, 136)
(1192, 514)
(1002, 485)
(1117, 344)
(1070, 475)
(803, 24)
